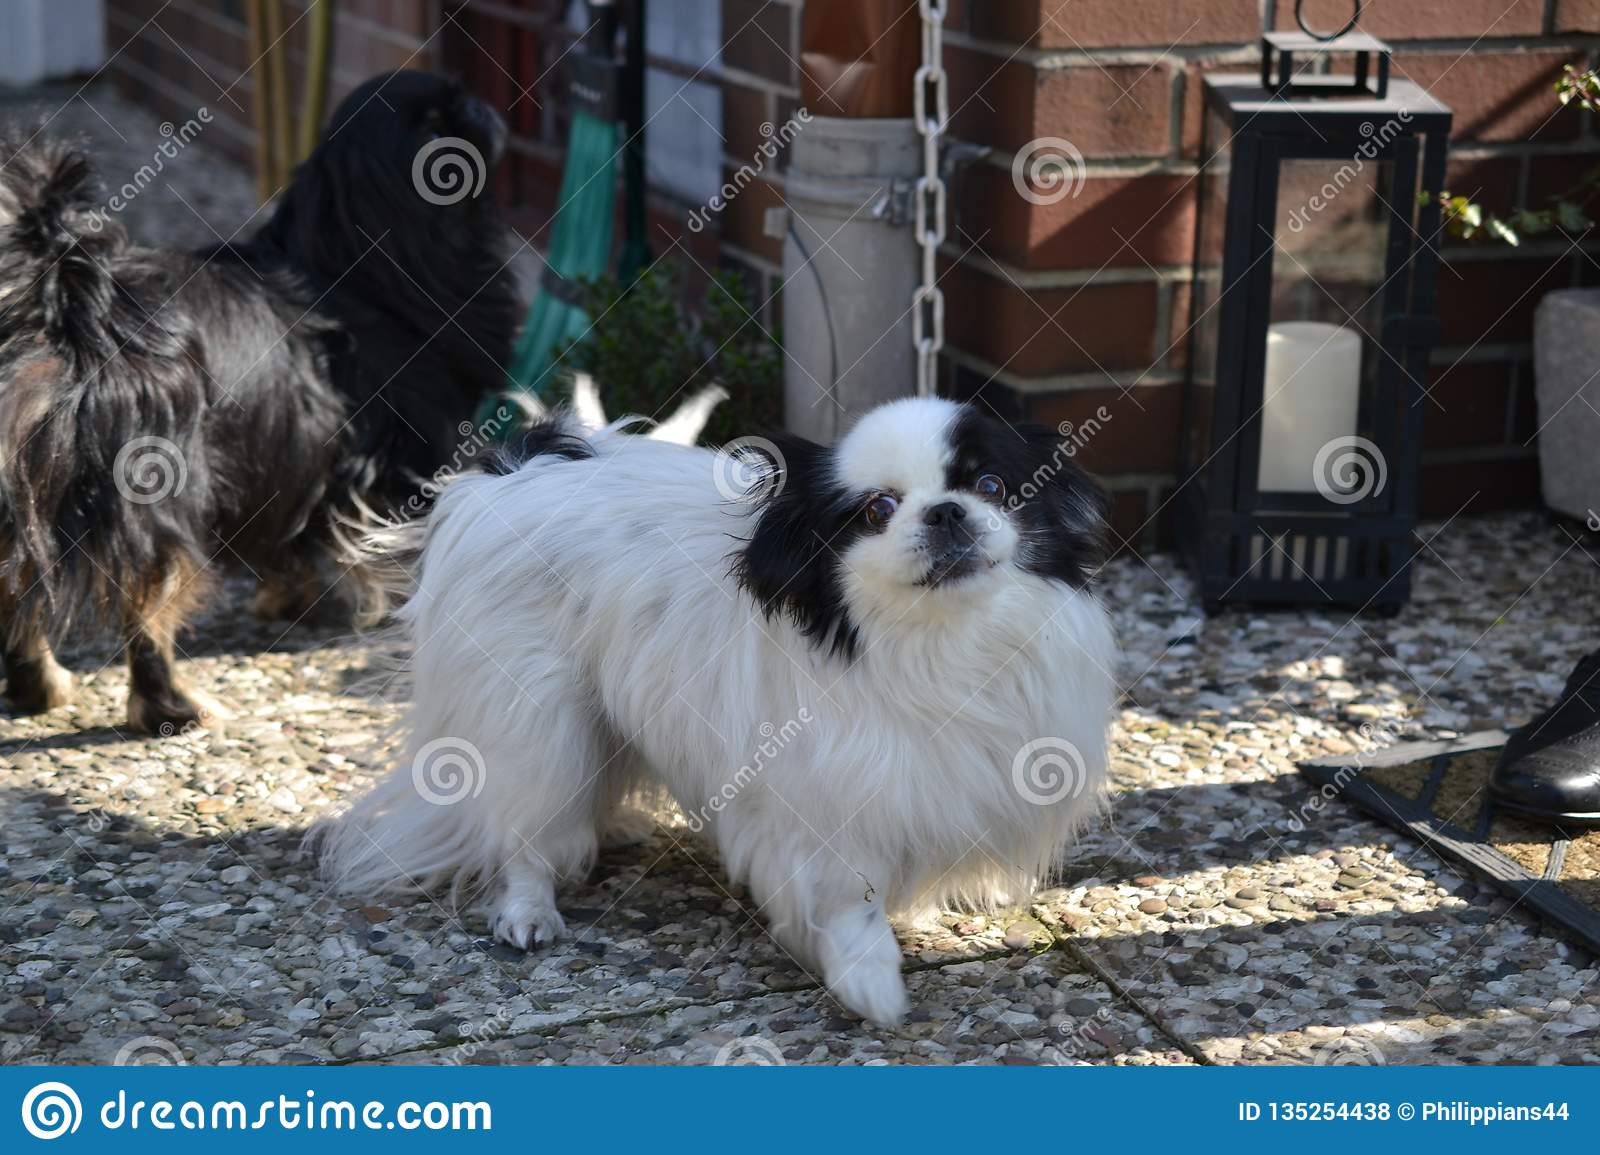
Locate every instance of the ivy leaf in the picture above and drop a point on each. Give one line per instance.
(1503, 231)
(1572, 218)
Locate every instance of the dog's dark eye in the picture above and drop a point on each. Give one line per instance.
(989, 487)
(880, 509)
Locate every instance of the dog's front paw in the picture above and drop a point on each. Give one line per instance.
(164, 716)
(861, 965)
(524, 923)
(38, 687)
(873, 991)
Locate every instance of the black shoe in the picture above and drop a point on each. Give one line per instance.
(1550, 769)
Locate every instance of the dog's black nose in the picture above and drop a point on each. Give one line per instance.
(945, 515)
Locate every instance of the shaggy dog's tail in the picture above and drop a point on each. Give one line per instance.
(66, 325)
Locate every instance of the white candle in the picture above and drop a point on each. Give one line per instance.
(1312, 396)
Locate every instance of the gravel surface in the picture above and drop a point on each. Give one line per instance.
(154, 903)
(155, 907)
(191, 200)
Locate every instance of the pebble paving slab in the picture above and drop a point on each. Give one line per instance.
(154, 900)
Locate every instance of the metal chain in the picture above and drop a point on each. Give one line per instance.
(927, 306)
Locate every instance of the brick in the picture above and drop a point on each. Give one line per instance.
(744, 111)
(1178, 339)
(1572, 177)
(1491, 181)
(743, 219)
(668, 223)
(1130, 509)
(1425, 19)
(1118, 23)
(1112, 111)
(1138, 434)
(1044, 331)
(1481, 487)
(1105, 111)
(1492, 301)
(1577, 16)
(535, 182)
(1498, 95)
(760, 39)
(1194, 100)
(1153, 213)
(1468, 405)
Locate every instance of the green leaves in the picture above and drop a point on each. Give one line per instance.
(1580, 88)
(649, 349)
(1468, 220)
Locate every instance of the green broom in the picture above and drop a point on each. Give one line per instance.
(580, 242)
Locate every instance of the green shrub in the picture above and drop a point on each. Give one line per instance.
(647, 350)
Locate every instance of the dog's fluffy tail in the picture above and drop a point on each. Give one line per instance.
(55, 246)
(63, 322)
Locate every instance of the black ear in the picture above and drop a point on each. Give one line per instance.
(1065, 510)
(790, 563)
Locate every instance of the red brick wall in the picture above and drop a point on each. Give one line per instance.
(1061, 309)
(1055, 310)
(177, 55)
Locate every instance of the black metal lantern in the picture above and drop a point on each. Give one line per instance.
(1313, 303)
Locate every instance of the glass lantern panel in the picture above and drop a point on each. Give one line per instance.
(1324, 348)
(1206, 319)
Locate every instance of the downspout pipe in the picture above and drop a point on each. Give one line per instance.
(850, 259)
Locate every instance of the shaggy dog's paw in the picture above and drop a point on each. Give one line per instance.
(874, 992)
(41, 688)
(523, 923)
(861, 964)
(163, 717)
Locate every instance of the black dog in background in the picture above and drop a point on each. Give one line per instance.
(165, 413)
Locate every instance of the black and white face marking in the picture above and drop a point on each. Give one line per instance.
(923, 498)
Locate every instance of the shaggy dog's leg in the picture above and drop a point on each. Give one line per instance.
(152, 617)
(829, 911)
(315, 592)
(35, 681)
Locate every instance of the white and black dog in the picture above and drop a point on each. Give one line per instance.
(875, 674)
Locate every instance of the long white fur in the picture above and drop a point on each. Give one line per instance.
(578, 638)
